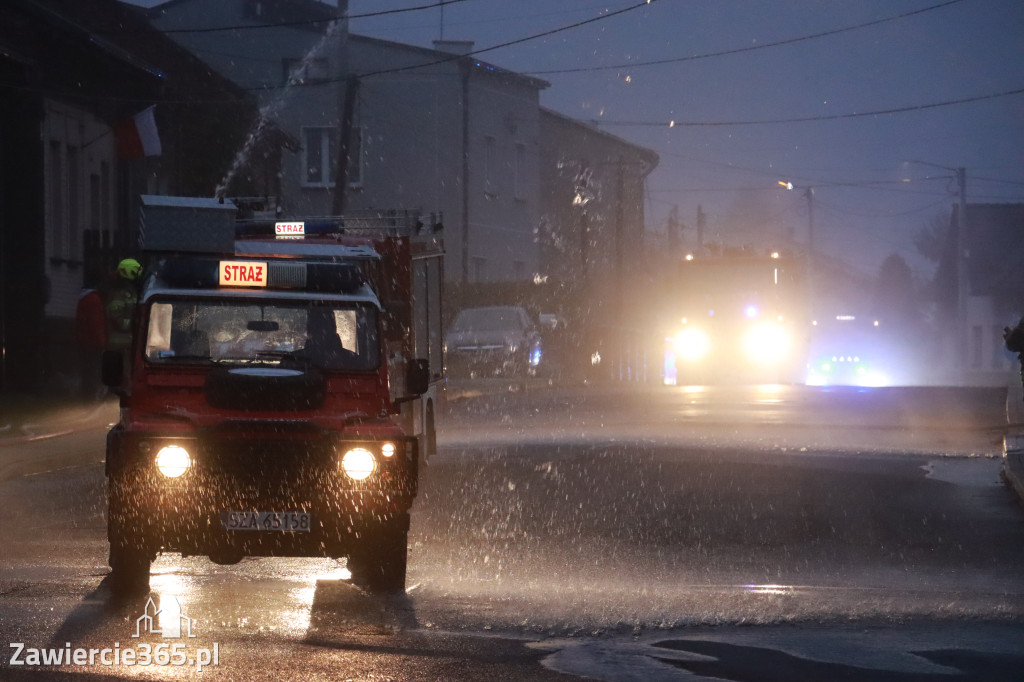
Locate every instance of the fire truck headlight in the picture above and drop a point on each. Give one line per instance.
(692, 345)
(173, 461)
(358, 464)
(768, 343)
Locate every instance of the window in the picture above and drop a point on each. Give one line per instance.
(318, 150)
(56, 200)
(74, 186)
(328, 335)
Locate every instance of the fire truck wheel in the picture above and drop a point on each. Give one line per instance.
(129, 557)
(129, 568)
(378, 564)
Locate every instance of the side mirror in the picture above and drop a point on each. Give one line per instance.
(417, 376)
(112, 368)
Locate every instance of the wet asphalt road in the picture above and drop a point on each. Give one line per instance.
(736, 533)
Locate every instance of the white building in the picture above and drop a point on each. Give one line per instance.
(433, 130)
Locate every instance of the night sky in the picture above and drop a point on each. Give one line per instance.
(843, 96)
(768, 91)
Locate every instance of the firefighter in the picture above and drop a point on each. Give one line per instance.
(1014, 338)
(91, 341)
(121, 302)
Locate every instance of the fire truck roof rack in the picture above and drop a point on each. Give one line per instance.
(170, 224)
(391, 222)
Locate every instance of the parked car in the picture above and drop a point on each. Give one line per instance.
(493, 341)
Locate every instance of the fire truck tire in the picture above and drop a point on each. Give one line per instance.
(378, 564)
(129, 568)
(129, 558)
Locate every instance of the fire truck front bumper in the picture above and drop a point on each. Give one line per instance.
(257, 497)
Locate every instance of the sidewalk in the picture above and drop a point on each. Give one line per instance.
(28, 417)
(1013, 441)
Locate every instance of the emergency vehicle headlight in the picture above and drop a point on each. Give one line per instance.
(766, 343)
(173, 461)
(692, 345)
(387, 450)
(358, 464)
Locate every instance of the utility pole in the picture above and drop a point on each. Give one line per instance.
(961, 273)
(619, 307)
(673, 230)
(809, 194)
(961, 337)
(619, 207)
(464, 67)
(345, 145)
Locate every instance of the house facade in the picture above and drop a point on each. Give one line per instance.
(973, 351)
(433, 130)
(75, 79)
(593, 198)
(443, 132)
(291, 56)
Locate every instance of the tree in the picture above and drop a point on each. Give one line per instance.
(896, 299)
(930, 239)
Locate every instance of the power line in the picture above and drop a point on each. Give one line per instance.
(808, 119)
(491, 19)
(304, 22)
(517, 41)
(327, 81)
(752, 48)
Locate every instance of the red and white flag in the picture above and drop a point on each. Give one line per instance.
(138, 136)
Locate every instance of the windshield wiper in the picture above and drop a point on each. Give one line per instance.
(274, 354)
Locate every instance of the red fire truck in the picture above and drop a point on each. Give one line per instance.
(279, 392)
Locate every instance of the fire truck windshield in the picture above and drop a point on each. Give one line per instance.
(329, 335)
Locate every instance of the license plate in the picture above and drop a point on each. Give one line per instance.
(291, 522)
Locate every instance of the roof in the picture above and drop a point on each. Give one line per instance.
(648, 155)
(270, 11)
(437, 56)
(124, 32)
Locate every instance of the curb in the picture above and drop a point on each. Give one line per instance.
(1013, 442)
(44, 429)
(1013, 473)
